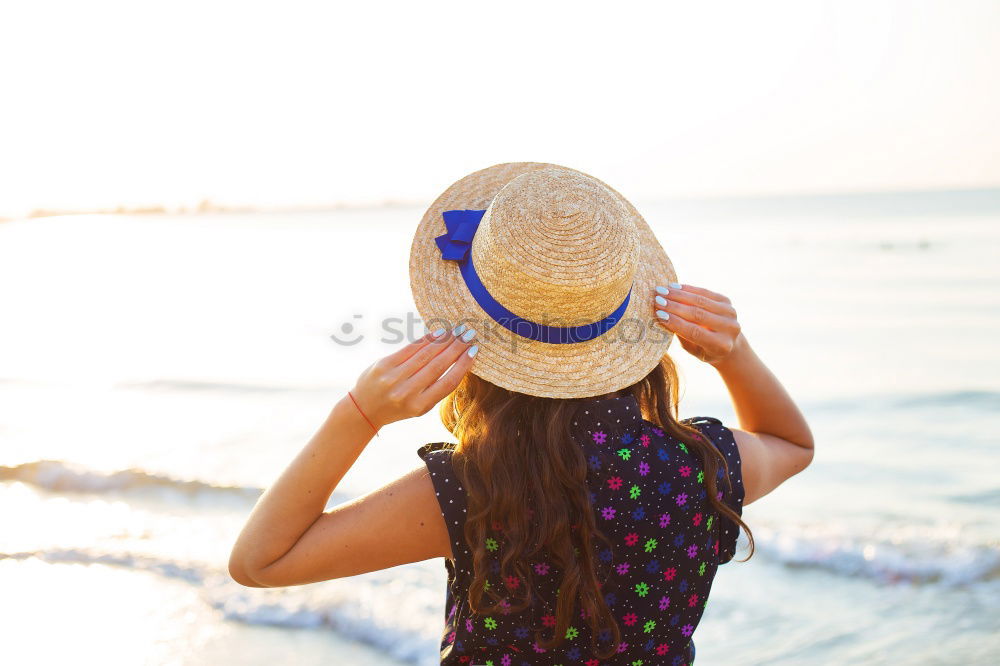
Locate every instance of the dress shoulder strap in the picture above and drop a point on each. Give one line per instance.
(451, 499)
(731, 493)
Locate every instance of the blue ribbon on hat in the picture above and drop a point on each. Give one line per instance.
(456, 245)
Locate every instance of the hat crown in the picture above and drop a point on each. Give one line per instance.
(557, 247)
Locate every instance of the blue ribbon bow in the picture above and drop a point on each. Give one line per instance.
(461, 226)
(456, 245)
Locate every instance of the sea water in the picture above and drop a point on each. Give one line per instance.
(157, 372)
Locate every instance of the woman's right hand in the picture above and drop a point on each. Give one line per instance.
(704, 321)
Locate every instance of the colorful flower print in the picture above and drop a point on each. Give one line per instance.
(663, 533)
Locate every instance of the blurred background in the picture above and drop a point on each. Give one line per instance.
(199, 199)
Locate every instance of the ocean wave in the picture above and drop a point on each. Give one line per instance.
(901, 554)
(400, 618)
(887, 553)
(977, 400)
(987, 497)
(64, 477)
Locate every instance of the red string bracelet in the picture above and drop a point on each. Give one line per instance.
(363, 414)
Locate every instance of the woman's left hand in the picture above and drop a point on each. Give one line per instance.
(411, 381)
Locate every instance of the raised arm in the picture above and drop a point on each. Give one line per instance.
(290, 540)
(774, 439)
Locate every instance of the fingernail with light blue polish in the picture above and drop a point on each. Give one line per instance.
(471, 333)
(660, 300)
(458, 329)
(438, 333)
(474, 350)
(662, 290)
(662, 315)
(674, 285)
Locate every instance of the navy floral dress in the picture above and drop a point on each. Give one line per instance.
(649, 499)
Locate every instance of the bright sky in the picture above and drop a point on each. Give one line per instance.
(314, 103)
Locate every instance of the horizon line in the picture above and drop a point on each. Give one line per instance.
(207, 206)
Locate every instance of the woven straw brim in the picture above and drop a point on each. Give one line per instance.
(617, 359)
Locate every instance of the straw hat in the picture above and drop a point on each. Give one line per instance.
(555, 271)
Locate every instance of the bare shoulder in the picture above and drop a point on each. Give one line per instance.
(768, 461)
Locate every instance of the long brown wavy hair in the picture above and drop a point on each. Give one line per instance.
(524, 475)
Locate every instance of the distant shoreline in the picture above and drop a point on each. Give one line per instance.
(977, 200)
(206, 207)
